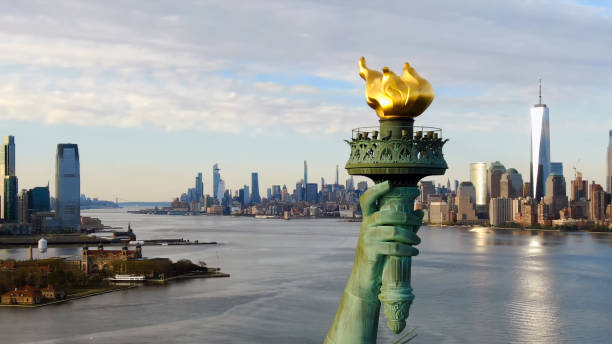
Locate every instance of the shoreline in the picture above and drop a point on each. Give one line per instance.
(111, 290)
(562, 230)
(116, 287)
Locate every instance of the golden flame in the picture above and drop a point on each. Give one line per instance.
(395, 96)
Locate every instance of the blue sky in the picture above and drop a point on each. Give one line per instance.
(154, 92)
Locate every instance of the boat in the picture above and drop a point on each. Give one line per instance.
(128, 278)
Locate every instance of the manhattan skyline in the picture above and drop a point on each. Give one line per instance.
(129, 95)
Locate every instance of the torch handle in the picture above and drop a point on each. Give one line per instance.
(396, 293)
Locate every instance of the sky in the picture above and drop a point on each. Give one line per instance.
(155, 91)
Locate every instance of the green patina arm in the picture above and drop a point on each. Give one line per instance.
(385, 231)
(356, 320)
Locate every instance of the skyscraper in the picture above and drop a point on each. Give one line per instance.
(540, 148)
(597, 205)
(199, 188)
(337, 178)
(511, 184)
(478, 177)
(466, 196)
(38, 199)
(555, 196)
(609, 163)
(220, 190)
(311, 193)
(7, 168)
(426, 189)
(216, 180)
(305, 174)
(9, 201)
(68, 186)
(556, 167)
(579, 188)
(255, 197)
(246, 198)
(496, 169)
(500, 211)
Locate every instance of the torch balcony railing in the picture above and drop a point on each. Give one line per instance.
(422, 148)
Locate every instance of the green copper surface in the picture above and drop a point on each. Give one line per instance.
(388, 231)
(396, 156)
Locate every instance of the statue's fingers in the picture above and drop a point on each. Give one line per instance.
(395, 249)
(393, 233)
(369, 198)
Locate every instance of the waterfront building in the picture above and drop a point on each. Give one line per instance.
(511, 184)
(285, 194)
(27, 295)
(540, 148)
(528, 212)
(255, 197)
(579, 209)
(579, 188)
(465, 200)
(199, 188)
(544, 214)
(438, 212)
(216, 180)
(427, 188)
(53, 293)
(516, 209)
(68, 186)
(556, 167)
(269, 194)
(7, 168)
(9, 200)
(101, 259)
(609, 164)
(597, 204)
(496, 170)
(500, 211)
(555, 196)
(479, 179)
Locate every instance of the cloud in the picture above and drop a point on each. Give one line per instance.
(135, 64)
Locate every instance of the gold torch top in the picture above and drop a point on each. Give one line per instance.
(392, 96)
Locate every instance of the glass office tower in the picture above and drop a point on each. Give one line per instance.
(255, 197)
(479, 178)
(68, 187)
(540, 150)
(7, 169)
(216, 180)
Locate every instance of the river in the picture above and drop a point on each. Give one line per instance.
(472, 285)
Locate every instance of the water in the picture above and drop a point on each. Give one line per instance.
(471, 286)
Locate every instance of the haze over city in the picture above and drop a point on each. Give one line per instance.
(153, 94)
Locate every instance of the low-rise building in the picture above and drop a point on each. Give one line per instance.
(27, 295)
(96, 260)
(53, 293)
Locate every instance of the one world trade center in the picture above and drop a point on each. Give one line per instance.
(540, 148)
